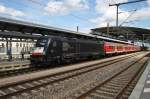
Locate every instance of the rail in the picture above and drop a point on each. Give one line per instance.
(58, 77)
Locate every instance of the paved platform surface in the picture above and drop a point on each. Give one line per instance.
(146, 89)
(142, 89)
(2, 63)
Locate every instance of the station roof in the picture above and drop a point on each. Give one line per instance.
(132, 32)
(17, 28)
(33, 28)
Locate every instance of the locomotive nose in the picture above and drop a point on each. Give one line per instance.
(38, 51)
(37, 54)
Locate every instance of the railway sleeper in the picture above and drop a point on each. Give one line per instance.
(19, 87)
(108, 93)
(112, 91)
(109, 87)
(114, 85)
(100, 96)
(28, 85)
(2, 93)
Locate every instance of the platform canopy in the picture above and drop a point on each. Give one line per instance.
(22, 29)
(130, 33)
(17, 28)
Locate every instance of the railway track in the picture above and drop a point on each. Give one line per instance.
(118, 86)
(23, 68)
(77, 83)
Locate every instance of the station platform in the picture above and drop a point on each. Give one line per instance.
(142, 88)
(5, 63)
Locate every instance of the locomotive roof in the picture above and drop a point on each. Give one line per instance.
(28, 27)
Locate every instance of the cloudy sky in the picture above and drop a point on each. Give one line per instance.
(68, 14)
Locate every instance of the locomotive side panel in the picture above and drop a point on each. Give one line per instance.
(89, 49)
(69, 49)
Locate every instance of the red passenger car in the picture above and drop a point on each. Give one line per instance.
(116, 48)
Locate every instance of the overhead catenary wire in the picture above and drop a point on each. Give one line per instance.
(123, 3)
(126, 11)
(132, 22)
(112, 1)
(128, 17)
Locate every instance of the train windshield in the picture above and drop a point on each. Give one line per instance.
(42, 42)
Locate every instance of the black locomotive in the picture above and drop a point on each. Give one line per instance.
(61, 49)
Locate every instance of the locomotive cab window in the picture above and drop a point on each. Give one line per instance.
(42, 42)
(66, 46)
(54, 44)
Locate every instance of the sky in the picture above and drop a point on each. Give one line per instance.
(68, 14)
